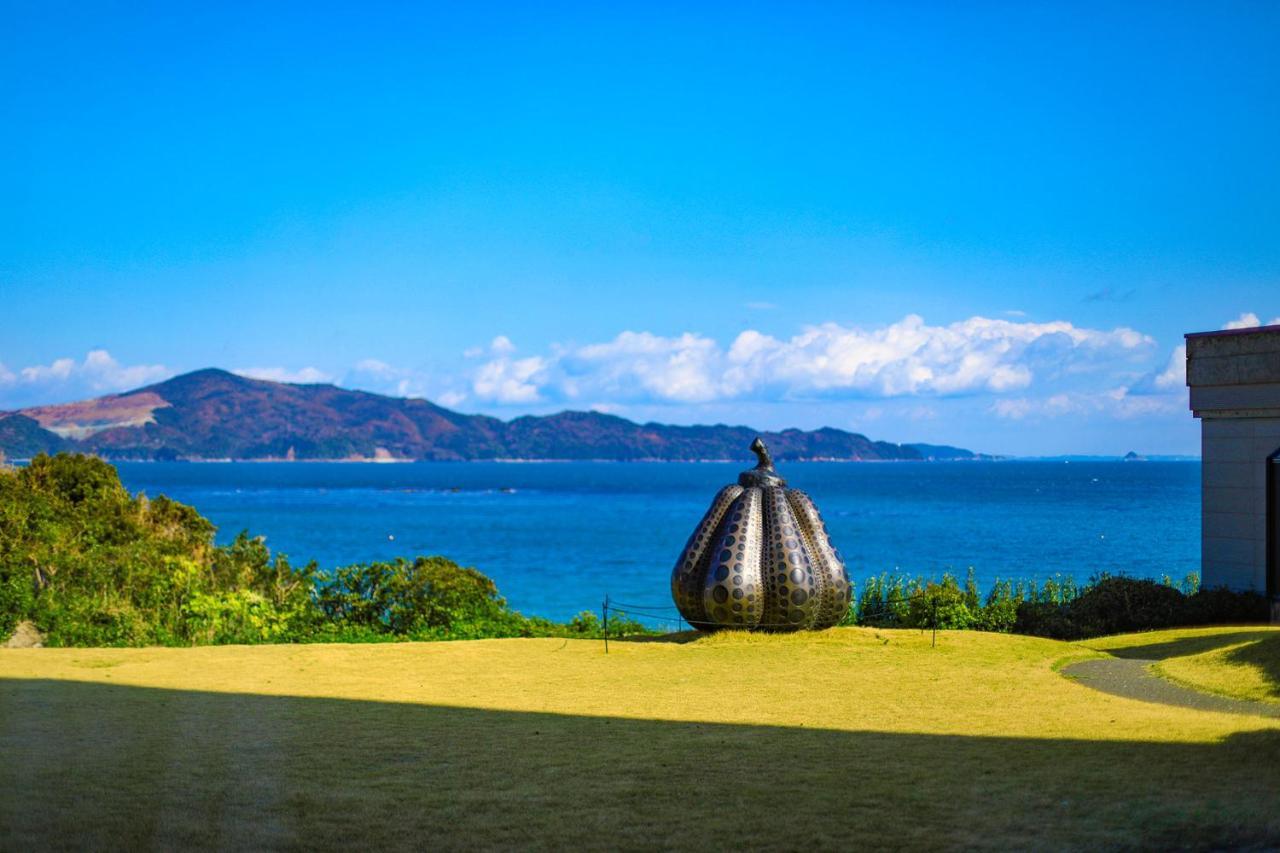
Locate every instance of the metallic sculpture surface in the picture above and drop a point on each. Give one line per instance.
(760, 559)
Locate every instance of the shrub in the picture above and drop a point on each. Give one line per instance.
(1117, 604)
(429, 598)
(886, 601)
(92, 565)
(1113, 605)
(1000, 612)
(587, 626)
(940, 605)
(1226, 607)
(893, 600)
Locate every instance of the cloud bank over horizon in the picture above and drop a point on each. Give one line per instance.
(982, 371)
(908, 358)
(68, 379)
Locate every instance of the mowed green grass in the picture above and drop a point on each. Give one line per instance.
(850, 738)
(1238, 663)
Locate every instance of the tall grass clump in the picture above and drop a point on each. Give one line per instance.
(1056, 607)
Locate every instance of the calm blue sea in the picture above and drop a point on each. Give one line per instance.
(557, 536)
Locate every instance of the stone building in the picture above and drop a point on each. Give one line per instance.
(1234, 378)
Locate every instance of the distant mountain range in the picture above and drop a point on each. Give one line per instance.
(213, 414)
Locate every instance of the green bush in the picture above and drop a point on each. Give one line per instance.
(1058, 607)
(894, 600)
(886, 601)
(1000, 611)
(1226, 607)
(1114, 605)
(89, 563)
(92, 565)
(941, 605)
(429, 598)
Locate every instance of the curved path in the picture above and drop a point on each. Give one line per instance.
(1132, 679)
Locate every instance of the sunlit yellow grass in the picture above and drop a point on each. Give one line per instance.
(852, 679)
(782, 741)
(1246, 670)
(1238, 662)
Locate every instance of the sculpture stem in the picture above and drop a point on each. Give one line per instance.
(765, 461)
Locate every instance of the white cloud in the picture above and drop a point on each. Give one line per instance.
(503, 378)
(679, 369)
(1250, 320)
(374, 367)
(303, 376)
(59, 371)
(375, 374)
(1116, 403)
(1172, 379)
(451, 398)
(1174, 376)
(906, 358)
(1169, 379)
(99, 373)
(1013, 409)
(911, 358)
(507, 380)
(1244, 321)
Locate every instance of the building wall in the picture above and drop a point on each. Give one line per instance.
(1234, 378)
(1234, 521)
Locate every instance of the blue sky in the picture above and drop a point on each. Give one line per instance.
(980, 224)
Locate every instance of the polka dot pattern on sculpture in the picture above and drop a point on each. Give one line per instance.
(760, 559)
(732, 584)
(689, 575)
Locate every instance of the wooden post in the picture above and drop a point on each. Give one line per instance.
(604, 612)
(935, 623)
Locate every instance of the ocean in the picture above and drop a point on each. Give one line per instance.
(558, 536)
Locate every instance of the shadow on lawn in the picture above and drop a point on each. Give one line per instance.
(1265, 655)
(1192, 645)
(92, 765)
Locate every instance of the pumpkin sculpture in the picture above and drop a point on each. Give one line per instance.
(760, 559)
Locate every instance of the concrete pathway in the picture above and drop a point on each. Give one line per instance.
(1131, 678)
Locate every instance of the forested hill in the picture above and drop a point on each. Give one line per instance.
(213, 414)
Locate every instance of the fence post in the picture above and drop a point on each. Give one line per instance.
(604, 614)
(934, 645)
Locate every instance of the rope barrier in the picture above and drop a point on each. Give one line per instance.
(673, 609)
(665, 612)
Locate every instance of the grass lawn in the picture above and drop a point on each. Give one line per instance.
(851, 738)
(1239, 663)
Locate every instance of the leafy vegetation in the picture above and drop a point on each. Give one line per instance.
(92, 565)
(1058, 608)
(1115, 605)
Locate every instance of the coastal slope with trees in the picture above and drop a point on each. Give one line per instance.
(214, 414)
